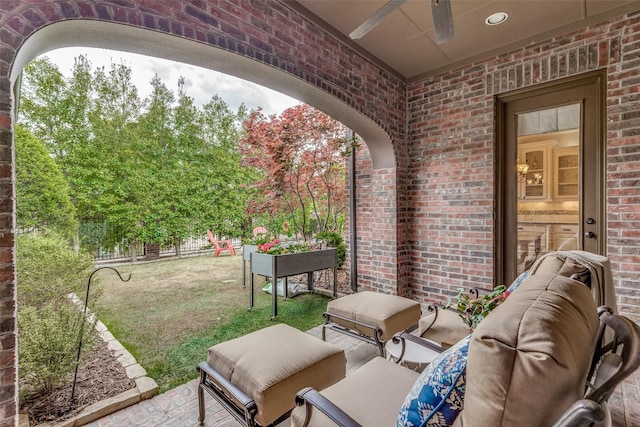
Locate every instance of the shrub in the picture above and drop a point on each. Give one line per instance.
(335, 240)
(48, 269)
(49, 325)
(48, 345)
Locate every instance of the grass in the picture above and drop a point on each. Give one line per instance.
(170, 312)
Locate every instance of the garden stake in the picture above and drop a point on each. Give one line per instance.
(84, 317)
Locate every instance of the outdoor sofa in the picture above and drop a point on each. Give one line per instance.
(525, 365)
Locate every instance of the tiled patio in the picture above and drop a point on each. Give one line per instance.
(179, 407)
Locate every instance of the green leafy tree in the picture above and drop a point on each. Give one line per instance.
(118, 157)
(228, 182)
(42, 193)
(157, 169)
(56, 111)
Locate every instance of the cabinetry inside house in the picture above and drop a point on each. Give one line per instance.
(566, 164)
(558, 233)
(536, 183)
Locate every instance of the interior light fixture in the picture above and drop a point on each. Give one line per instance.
(496, 18)
(522, 169)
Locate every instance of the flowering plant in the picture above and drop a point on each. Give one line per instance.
(473, 310)
(275, 247)
(257, 240)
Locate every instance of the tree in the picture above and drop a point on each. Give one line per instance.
(228, 182)
(300, 157)
(157, 169)
(42, 193)
(117, 158)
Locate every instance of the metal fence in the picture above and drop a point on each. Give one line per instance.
(107, 242)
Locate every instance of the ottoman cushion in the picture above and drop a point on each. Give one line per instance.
(274, 363)
(390, 313)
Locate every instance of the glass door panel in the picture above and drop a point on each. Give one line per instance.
(548, 164)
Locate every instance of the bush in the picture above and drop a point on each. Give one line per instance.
(48, 269)
(49, 325)
(48, 345)
(335, 240)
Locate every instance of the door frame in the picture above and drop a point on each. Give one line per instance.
(505, 204)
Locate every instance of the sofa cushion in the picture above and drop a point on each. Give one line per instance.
(557, 263)
(528, 361)
(436, 398)
(371, 395)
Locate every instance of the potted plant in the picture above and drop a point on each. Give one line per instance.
(473, 310)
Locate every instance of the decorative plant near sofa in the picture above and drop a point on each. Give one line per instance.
(473, 310)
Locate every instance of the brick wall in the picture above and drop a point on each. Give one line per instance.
(451, 134)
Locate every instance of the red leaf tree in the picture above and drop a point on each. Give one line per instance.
(300, 157)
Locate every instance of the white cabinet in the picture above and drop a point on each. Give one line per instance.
(536, 183)
(566, 166)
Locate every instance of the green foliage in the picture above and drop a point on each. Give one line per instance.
(334, 240)
(48, 269)
(473, 310)
(276, 247)
(156, 169)
(48, 345)
(49, 326)
(42, 193)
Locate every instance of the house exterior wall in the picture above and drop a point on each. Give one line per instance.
(451, 137)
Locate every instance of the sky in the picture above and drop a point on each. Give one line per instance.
(200, 83)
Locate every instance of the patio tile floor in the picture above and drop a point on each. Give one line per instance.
(179, 407)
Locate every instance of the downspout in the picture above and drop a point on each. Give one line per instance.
(352, 223)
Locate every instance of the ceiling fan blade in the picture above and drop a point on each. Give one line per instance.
(442, 20)
(375, 19)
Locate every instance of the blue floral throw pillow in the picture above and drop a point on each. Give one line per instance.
(437, 396)
(518, 281)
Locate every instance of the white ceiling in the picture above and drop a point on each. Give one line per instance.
(404, 40)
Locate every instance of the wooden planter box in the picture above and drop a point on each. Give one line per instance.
(276, 266)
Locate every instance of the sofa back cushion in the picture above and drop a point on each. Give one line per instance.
(528, 360)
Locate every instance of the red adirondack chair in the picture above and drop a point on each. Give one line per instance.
(221, 245)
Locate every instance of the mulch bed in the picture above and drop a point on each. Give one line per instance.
(324, 280)
(100, 376)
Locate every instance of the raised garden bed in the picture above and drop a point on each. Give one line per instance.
(284, 265)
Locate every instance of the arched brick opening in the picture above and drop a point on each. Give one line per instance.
(265, 42)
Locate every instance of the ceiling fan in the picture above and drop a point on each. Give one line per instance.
(440, 10)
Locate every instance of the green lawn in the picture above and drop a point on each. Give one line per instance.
(170, 312)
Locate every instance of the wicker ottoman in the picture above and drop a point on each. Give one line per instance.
(255, 377)
(371, 316)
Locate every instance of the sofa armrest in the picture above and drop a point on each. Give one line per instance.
(311, 399)
(435, 309)
(403, 338)
(584, 412)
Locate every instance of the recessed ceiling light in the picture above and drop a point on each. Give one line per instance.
(497, 18)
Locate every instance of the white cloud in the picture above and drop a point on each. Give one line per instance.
(200, 83)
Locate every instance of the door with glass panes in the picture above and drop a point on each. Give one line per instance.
(550, 173)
